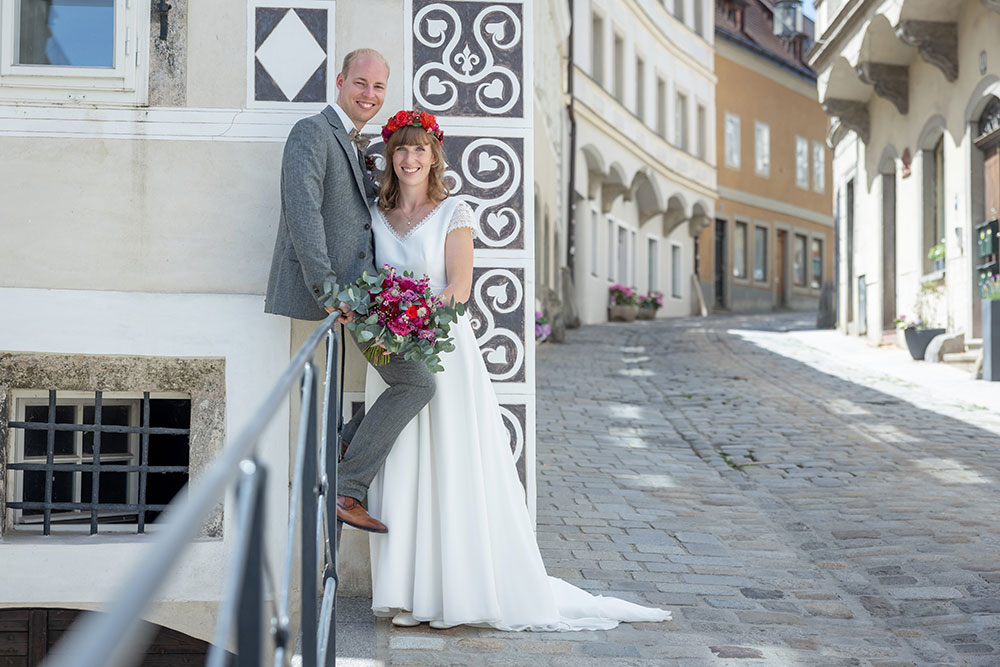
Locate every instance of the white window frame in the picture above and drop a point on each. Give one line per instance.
(612, 241)
(682, 129)
(732, 140)
(595, 222)
(22, 398)
(701, 119)
(819, 166)
(762, 149)
(34, 398)
(653, 263)
(676, 286)
(640, 87)
(124, 84)
(801, 162)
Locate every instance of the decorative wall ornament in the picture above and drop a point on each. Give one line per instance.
(471, 57)
(465, 62)
(852, 114)
(936, 41)
(488, 173)
(891, 82)
(291, 53)
(989, 121)
(515, 421)
(497, 312)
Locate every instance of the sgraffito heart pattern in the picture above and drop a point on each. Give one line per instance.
(487, 172)
(496, 311)
(468, 58)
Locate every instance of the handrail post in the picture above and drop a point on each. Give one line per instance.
(251, 605)
(310, 490)
(334, 420)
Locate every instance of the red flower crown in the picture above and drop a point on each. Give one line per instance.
(416, 118)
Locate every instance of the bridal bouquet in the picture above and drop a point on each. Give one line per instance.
(398, 314)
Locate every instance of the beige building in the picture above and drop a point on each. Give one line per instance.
(643, 185)
(771, 243)
(913, 92)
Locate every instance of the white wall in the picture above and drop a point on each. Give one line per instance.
(82, 571)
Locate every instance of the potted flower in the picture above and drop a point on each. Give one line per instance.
(991, 329)
(917, 335)
(542, 327)
(936, 255)
(623, 306)
(649, 304)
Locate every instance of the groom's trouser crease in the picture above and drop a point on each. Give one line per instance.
(373, 434)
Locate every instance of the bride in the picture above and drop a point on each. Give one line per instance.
(461, 549)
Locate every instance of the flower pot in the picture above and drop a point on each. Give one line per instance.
(991, 340)
(622, 313)
(646, 314)
(917, 341)
(939, 264)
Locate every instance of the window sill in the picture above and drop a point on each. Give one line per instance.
(933, 276)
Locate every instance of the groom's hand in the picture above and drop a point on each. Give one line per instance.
(346, 314)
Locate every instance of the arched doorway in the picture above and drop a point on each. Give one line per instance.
(26, 635)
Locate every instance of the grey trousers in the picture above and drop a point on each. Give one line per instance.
(373, 433)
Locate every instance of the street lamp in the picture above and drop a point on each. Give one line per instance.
(788, 21)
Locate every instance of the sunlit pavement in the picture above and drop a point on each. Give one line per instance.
(794, 496)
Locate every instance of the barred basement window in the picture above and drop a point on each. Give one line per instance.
(96, 458)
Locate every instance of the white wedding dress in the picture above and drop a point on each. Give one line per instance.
(461, 548)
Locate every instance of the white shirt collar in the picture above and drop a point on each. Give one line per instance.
(344, 118)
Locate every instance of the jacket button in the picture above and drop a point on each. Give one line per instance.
(361, 255)
(367, 226)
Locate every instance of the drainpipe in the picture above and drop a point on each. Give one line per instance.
(570, 200)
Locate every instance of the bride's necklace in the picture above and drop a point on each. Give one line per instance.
(412, 216)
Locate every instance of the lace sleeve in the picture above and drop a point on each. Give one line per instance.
(463, 217)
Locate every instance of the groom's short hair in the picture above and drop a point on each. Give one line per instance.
(358, 53)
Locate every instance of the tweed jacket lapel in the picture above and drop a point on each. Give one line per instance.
(352, 153)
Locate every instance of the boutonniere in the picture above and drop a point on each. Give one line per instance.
(372, 169)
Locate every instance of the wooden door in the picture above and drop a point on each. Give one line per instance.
(26, 635)
(780, 260)
(991, 191)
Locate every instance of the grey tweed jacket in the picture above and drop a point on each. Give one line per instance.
(324, 233)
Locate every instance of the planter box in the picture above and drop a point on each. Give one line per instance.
(646, 314)
(622, 313)
(991, 340)
(917, 340)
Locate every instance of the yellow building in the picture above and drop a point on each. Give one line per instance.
(770, 246)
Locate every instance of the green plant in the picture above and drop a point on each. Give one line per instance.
(936, 252)
(991, 288)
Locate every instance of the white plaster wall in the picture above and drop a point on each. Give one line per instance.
(79, 570)
(931, 97)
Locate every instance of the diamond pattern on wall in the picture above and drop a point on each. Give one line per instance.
(290, 54)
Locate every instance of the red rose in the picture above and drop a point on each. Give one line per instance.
(411, 312)
(401, 117)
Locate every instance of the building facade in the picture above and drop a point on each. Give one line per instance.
(914, 95)
(141, 155)
(771, 243)
(643, 184)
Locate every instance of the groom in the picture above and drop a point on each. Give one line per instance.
(324, 235)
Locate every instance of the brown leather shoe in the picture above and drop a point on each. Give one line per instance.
(352, 513)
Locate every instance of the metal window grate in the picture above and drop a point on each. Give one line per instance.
(94, 467)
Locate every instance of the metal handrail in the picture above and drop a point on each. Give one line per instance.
(114, 637)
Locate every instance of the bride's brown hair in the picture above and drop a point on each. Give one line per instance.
(388, 194)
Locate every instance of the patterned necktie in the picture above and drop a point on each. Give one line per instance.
(359, 141)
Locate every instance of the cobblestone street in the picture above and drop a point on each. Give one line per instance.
(795, 497)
